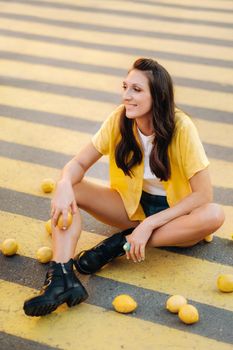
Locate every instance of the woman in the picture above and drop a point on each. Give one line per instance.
(160, 193)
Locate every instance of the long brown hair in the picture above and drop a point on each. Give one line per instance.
(128, 152)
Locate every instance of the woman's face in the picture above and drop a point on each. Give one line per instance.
(136, 95)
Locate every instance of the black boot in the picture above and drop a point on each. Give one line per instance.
(90, 261)
(61, 286)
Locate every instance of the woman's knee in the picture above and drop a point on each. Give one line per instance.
(216, 215)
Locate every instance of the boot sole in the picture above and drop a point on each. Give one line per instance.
(71, 298)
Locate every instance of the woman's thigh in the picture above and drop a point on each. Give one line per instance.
(103, 203)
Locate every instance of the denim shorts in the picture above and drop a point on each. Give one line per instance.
(152, 203)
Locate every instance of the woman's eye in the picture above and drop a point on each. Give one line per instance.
(137, 89)
(124, 87)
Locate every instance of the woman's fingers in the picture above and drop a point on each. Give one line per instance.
(142, 252)
(132, 252)
(74, 207)
(55, 216)
(137, 252)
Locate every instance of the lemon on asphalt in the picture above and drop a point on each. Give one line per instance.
(188, 314)
(9, 246)
(175, 302)
(209, 238)
(60, 221)
(48, 185)
(44, 254)
(225, 283)
(48, 226)
(124, 303)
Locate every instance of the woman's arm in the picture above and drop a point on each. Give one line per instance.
(201, 193)
(72, 173)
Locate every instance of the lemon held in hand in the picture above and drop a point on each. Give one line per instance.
(124, 304)
(44, 254)
(9, 246)
(60, 221)
(225, 283)
(175, 302)
(188, 314)
(48, 185)
(48, 226)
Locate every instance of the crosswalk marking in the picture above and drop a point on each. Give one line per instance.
(48, 329)
(68, 58)
(195, 279)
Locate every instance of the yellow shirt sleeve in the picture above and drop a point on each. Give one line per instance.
(192, 152)
(103, 138)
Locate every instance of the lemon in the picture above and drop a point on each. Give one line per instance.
(48, 185)
(124, 303)
(188, 314)
(209, 238)
(60, 221)
(48, 226)
(44, 254)
(175, 302)
(225, 283)
(9, 246)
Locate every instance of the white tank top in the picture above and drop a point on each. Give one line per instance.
(151, 184)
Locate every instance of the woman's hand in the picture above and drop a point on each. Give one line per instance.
(63, 202)
(138, 240)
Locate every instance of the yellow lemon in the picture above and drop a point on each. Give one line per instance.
(48, 185)
(44, 254)
(209, 238)
(60, 221)
(175, 302)
(225, 283)
(188, 314)
(48, 226)
(9, 246)
(124, 303)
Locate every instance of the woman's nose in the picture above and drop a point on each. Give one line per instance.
(127, 94)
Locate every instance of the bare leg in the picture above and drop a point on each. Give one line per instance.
(103, 203)
(65, 241)
(189, 229)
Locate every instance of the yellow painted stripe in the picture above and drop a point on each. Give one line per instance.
(221, 172)
(226, 231)
(205, 3)
(55, 138)
(215, 132)
(27, 177)
(195, 278)
(133, 21)
(45, 137)
(171, 46)
(52, 103)
(31, 234)
(113, 5)
(203, 98)
(115, 60)
(89, 319)
(106, 83)
(61, 76)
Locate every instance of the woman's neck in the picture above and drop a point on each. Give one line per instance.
(145, 126)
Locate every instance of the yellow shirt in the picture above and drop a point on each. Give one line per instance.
(186, 155)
